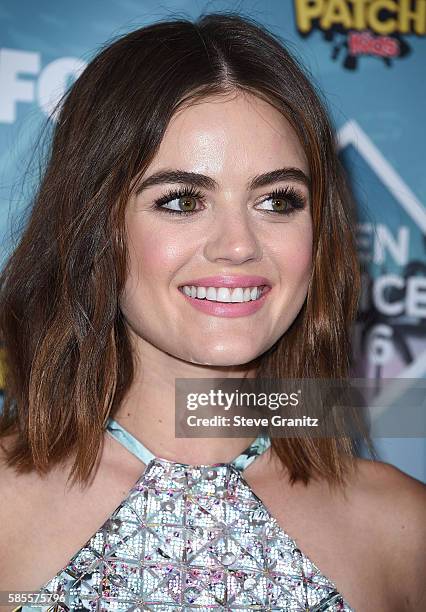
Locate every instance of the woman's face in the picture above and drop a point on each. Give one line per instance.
(220, 161)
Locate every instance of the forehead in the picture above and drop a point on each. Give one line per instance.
(230, 137)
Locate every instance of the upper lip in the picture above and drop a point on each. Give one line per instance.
(228, 280)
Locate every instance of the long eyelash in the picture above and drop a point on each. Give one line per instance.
(173, 194)
(294, 197)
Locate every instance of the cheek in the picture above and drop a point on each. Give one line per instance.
(153, 256)
(295, 269)
(301, 258)
(293, 254)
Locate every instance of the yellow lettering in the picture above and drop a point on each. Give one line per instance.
(306, 12)
(407, 15)
(337, 11)
(358, 16)
(377, 25)
(418, 16)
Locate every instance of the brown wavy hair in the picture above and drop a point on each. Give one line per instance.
(69, 361)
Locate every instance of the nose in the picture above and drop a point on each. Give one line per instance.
(232, 239)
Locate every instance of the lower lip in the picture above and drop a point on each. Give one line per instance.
(228, 309)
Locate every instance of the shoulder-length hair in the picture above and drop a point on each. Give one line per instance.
(68, 353)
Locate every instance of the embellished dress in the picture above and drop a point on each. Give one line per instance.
(190, 538)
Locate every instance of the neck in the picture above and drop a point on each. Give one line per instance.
(148, 409)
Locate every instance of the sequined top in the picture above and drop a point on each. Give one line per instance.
(191, 537)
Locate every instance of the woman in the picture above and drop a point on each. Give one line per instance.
(189, 160)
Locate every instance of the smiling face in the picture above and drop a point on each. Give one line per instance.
(248, 215)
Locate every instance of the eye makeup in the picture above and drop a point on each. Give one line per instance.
(292, 198)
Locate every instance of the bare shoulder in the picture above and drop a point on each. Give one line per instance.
(9, 479)
(20, 496)
(378, 483)
(10, 508)
(12, 486)
(394, 505)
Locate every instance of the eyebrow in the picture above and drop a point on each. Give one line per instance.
(206, 182)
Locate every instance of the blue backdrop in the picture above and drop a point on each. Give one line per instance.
(369, 59)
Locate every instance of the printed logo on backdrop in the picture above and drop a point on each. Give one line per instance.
(357, 28)
(390, 334)
(24, 81)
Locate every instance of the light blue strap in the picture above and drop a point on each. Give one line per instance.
(255, 449)
(129, 441)
(244, 459)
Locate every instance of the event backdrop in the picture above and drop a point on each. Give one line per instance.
(369, 59)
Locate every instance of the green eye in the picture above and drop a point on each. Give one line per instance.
(187, 204)
(284, 201)
(180, 201)
(279, 204)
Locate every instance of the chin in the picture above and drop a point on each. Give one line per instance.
(223, 356)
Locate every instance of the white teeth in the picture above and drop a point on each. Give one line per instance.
(223, 294)
(237, 295)
(211, 294)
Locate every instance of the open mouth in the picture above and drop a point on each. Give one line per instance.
(236, 295)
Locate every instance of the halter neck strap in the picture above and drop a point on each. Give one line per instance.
(135, 446)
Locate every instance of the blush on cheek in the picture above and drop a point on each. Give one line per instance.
(300, 252)
(155, 256)
(297, 271)
(154, 247)
(296, 258)
(144, 261)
